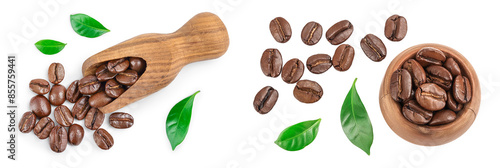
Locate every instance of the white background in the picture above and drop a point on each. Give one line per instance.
(225, 130)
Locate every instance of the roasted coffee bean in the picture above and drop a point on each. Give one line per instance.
(103, 74)
(81, 108)
(339, 32)
(27, 122)
(373, 47)
(443, 117)
(416, 114)
(103, 139)
(73, 93)
(430, 56)
(319, 63)
(40, 86)
(401, 85)
(271, 62)
(307, 91)
(40, 106)
(99, 99)
(417, 72)
(343, 57)
(452, 104)
(63, 116)
(113, 89)
(440, 76)
(128, 77)
(56, 73)
(118, 65)
(75, 134)
(89, 85)
(265, 100)
(462, 90)
(57, 95)
(121, 120)
(280, 29)
(94, 119)
(292, 71)
(431, 96)
(395, 28)
(58, 139)
(452, 66)
(311, 33)
(43, 127)
(137, 64)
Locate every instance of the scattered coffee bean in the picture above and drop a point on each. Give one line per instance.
(94, 119)
(280, 29)
(396, 28)
(137, 64)
(443, 117)
(416, 114)
(271, 62)
(440, 76)
(430, 56)
(113, 89)
(265, 100)
(121, 120)
(89, 85)
(27, 122)
(343, 57)
(319, 63)
(103, 74)
(63, 116)
(339, 32)
(43, 127)
(99, 99)
(462, 90)
(57, 95)
(373, 48)
(292, 71)
(452, 66)
(307, 91)
(311, 33)
(40, 106)
(103, 139)
(40, 86)
(58, 139)
(417, 72)
(452, 104)
(431, 96)
(118, 65)
(128, 77)
(401, 85)
(75, 134)
(81, 108)
(56, 73)
(73, 93)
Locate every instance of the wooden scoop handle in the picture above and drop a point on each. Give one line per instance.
(201, 38)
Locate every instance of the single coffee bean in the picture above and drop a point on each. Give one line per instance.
(43, 127)
(343, 57)
(319, 63)
(417, 72)
(99, 99)
(452, 66)
(103, 139)
(431, 96)
(401, 85)
(75, 134)
(452, 104)
(462, 90)
(265, 100)
(280, 29)
(128, 77)
(443, 117)
(57, 95)
(271, 62)
(40, 86)
(137, 64)
(94, 119)
(89, 85)
(416, 114)
(58, 139)
(373, 48)
(292, 71)
(121, 120)
(113, 89)
(56, 73)
(118, 65)
(339, 32)
(81, 108)
(40, 106)
(307, 91)
(430, 56)
(311, 33)
(73, 93)
(27, 122)
(103, 74)
(63, 116)
(395, 28)
(440, 76)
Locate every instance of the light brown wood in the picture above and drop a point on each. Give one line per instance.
(429, 135)
(201, 38)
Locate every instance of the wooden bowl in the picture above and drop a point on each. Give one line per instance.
(424, 134)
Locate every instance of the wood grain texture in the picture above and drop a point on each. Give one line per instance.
(201, 38)
(429, 135)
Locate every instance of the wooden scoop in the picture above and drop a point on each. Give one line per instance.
(201, 38)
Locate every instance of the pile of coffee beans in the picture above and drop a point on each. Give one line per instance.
(109, 82)
(431, 88)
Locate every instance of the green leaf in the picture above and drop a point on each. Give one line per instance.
(298, 136)
(355, 121)
(49, 47)
(87, 26)
(178, 120)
